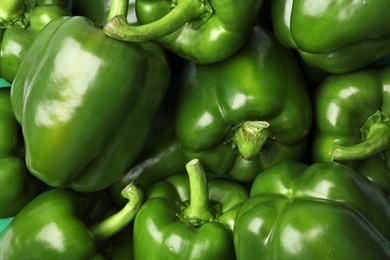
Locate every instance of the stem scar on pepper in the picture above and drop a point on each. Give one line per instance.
(251, 138)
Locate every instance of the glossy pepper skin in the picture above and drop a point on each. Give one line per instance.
(321, 211)
(17, 186)
(352, 123)
(161, 156)
(334, 36)
(186, 217)
(201, 31)
(85, 105)
(65, 224)
(257, 93)
(17, 38)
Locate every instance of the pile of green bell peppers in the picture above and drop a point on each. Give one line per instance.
(194, 129)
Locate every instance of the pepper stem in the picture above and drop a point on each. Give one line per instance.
(375, 140)
(199, 209)
(15, 13)
(251, 137)
(115, 223)
(118, 8)
(194, 12)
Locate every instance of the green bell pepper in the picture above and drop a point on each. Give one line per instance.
(17, 39)
(352, 123)
(17, 186)
(65, 224)
(247, 113)
(95, 10)
(86, 103)
(198, 30)
(186, 217)
(322, 211)
(15, 12)
(336, 36)
(161, 156)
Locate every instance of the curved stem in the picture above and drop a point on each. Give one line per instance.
(115, 223)
(251, 137)
(199, 209)
(377, 141)
(118, 8)
(185, 11)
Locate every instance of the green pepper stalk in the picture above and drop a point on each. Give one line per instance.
(15, 12)
(185, 11)
(199, 210)
(115, 223)
(375, 140)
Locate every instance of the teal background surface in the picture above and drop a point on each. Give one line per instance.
(4, 222)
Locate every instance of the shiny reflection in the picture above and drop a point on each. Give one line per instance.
(215, 33)
(198, 249)
(293, 240)
(346, 14)
(174, 243)
(332, 113)
(239, 101)
(14, 48)
(52, 237)
(152, 229)
(255, 225)
(205, 119)
(287, 12)
(73, 76)
(348, 92)
(323, 189)
(386, 88)
(316, 8)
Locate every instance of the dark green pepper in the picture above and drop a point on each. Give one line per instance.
(98, 10)
(161, 156)
(336, 36)
(95, 10)
(17, 186)
(86, 103)
(17, 39)
(121, 245)
(352, 123)
(65, 224)
(247, 113)
(186, 217)
(322, 211)
(202, 31)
